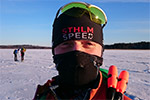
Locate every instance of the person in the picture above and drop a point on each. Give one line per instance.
(15, 52)
(77, 47)
(22, 51)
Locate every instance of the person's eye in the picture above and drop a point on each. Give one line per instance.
(88, 44)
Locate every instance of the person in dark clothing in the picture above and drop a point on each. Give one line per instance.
(15, 54)
(77, 47)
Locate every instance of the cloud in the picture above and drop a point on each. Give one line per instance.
(138, 32)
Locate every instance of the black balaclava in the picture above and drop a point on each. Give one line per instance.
(76, 68)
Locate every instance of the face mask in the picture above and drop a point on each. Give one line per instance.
(77, 68)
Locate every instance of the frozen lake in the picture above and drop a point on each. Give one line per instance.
(18, 80)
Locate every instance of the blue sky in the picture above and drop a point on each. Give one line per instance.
(30, 21)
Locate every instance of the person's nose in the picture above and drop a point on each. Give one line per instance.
(77, 46)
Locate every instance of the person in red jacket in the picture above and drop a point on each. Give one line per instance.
(78, 54)
(22, 52)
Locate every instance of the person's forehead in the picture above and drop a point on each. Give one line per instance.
(81, 41)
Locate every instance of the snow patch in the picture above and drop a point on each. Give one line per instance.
(18, 80)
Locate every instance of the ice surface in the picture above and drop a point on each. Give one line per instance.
(18, 80)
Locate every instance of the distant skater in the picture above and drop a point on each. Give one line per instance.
(22, 51)
(15, 54)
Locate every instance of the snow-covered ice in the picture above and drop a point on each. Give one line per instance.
(18, 80)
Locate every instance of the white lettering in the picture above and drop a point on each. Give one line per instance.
(84, 35)
(77, 35)
(65, 37)
(70, 35)
(90, 36)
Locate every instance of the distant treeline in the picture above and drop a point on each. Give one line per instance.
(137, 45)
(25, 46)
